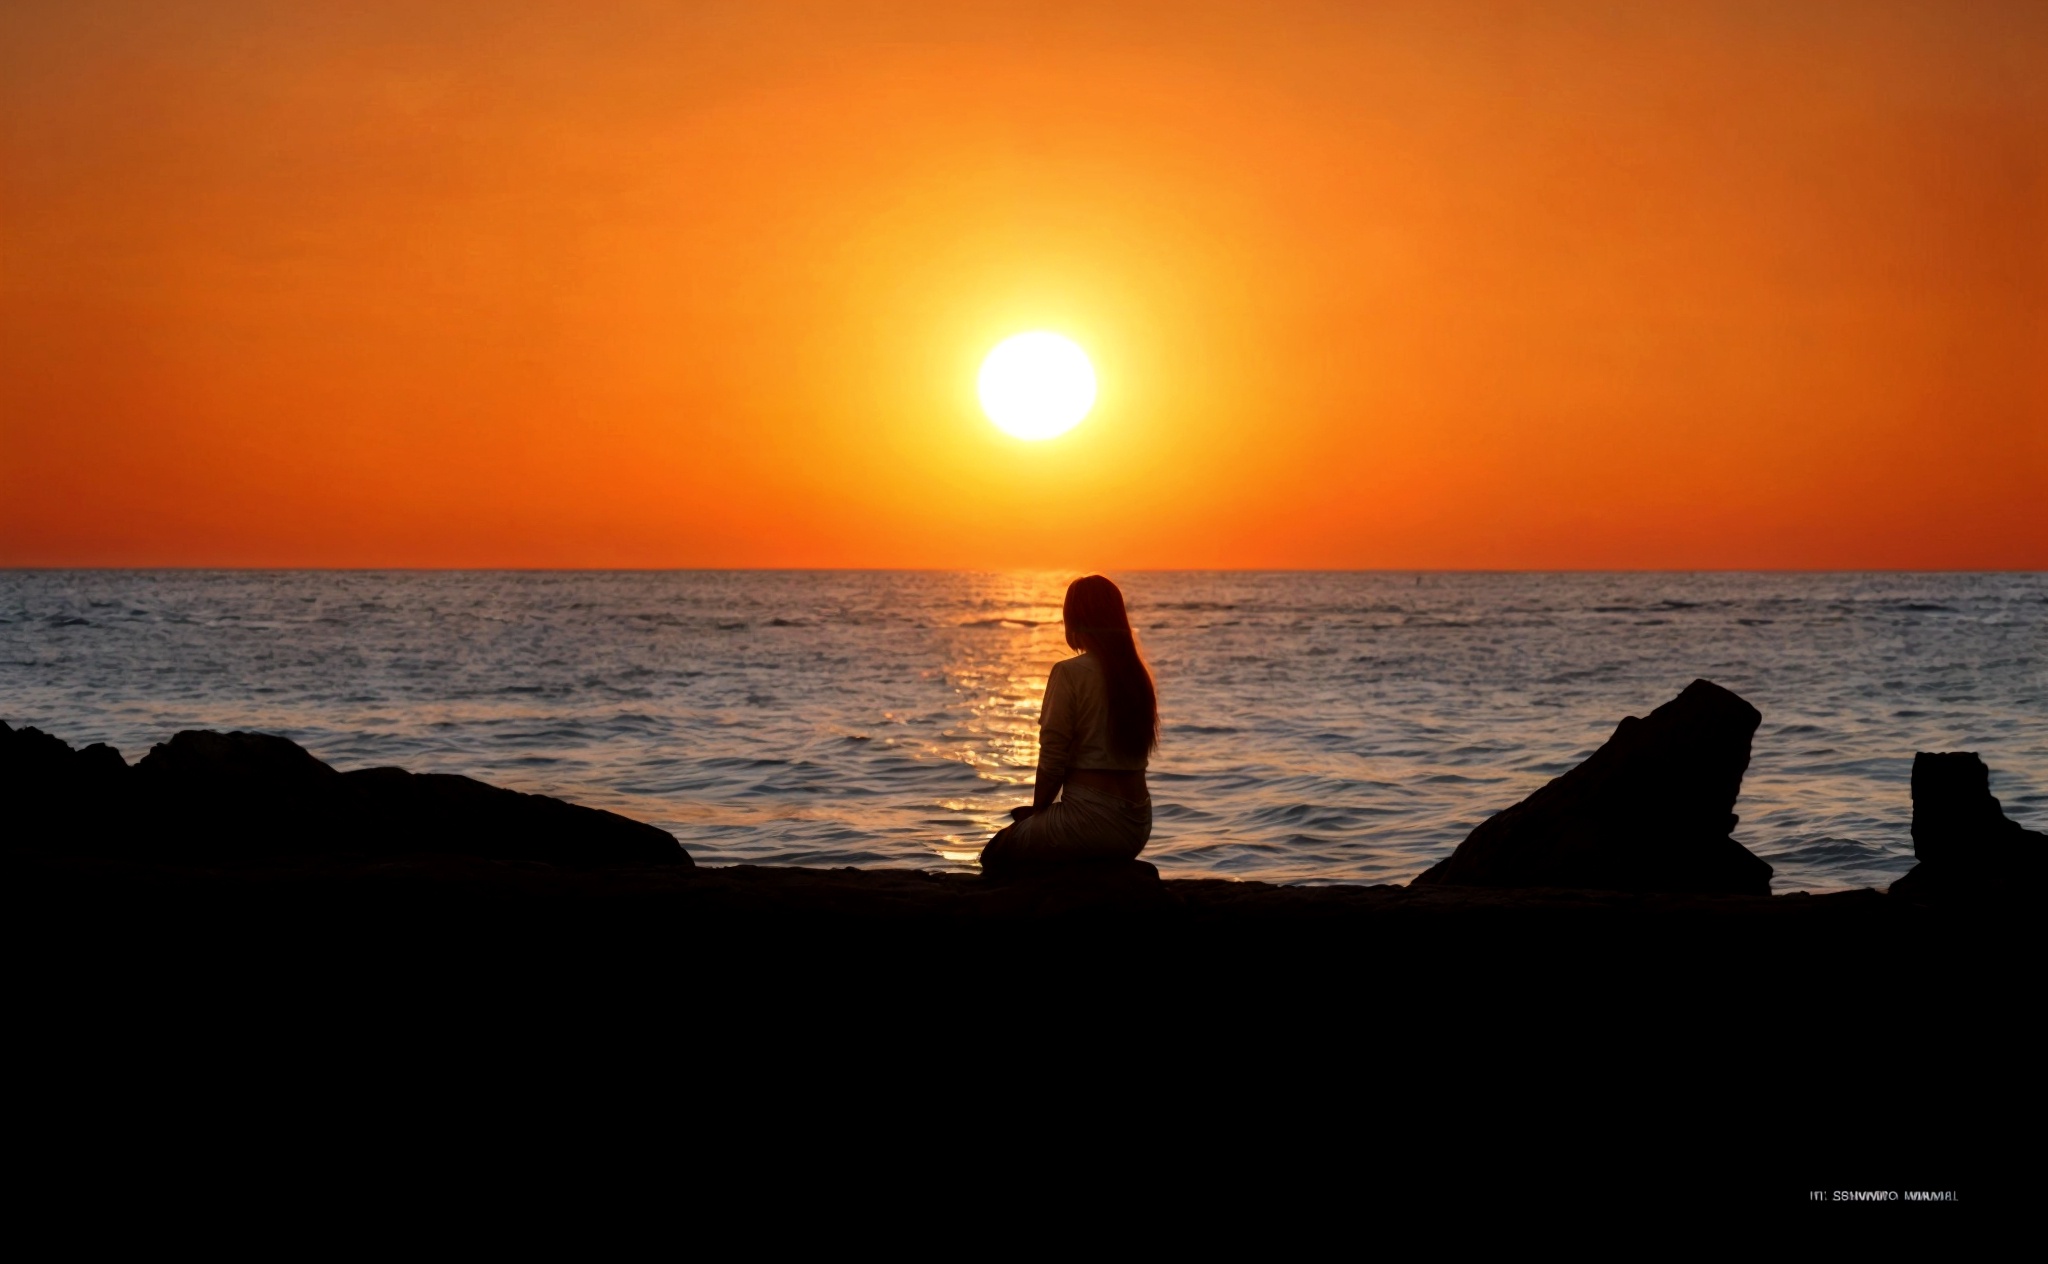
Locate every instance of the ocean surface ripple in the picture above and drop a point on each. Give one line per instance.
(1317, 727)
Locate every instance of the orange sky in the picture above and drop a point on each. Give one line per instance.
(1366, 285)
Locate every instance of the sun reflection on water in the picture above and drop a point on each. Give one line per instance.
(1008, 641)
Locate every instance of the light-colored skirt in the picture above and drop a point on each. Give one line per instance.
(1083, 825)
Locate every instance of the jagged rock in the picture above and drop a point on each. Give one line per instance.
(233, 795)
(1968, 848)
(200, 760)
(229, 796)
(47, 788)
(29, 757)
(1648, 811)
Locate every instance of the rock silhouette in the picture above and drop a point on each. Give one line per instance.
(1078, 888)
(425, 812)
(238, 796)
(1649, 811)
(1968, 848)
(48, 790)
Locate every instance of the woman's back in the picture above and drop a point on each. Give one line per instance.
(1074, 726)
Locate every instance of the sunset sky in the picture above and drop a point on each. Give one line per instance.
(1364, 285)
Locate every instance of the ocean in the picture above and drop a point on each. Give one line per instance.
(1317, 728)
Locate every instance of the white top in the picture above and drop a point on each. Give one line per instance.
(1073, 726)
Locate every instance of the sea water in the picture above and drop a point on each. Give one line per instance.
(1316, 727)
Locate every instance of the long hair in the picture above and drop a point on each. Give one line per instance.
(1095, 607)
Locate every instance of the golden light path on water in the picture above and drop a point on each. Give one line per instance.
(1002, 686)
(997, 683)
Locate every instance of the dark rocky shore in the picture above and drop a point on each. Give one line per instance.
(1600, 957)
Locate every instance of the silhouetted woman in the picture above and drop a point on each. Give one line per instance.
(1099, 724)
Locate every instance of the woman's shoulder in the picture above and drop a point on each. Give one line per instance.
(1078, 666)
(1080, 676)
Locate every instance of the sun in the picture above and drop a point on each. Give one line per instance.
(1037, 385)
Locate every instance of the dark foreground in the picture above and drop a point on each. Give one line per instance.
(230, 945)
(1749, 1048)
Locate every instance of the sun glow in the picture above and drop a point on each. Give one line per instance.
(1037, 385)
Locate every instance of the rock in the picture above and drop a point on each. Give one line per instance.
(234, 795)
(101, 764)
(239, 796)
(29, 757)
(47, 788)
(1076, 888)
(1968, 848)
(1648, 811)
(434, 812)
(237, 763)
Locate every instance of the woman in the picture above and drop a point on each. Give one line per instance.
(1099, 724)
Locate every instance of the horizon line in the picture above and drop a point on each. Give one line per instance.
(999, 570)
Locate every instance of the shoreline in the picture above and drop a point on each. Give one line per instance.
(811, 905)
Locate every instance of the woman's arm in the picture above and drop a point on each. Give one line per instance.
(1055, 739)
(1046, 788)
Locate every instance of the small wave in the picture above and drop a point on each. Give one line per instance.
(1830, 849)
(1305, 816)
(742, 762)
(1824, 857)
